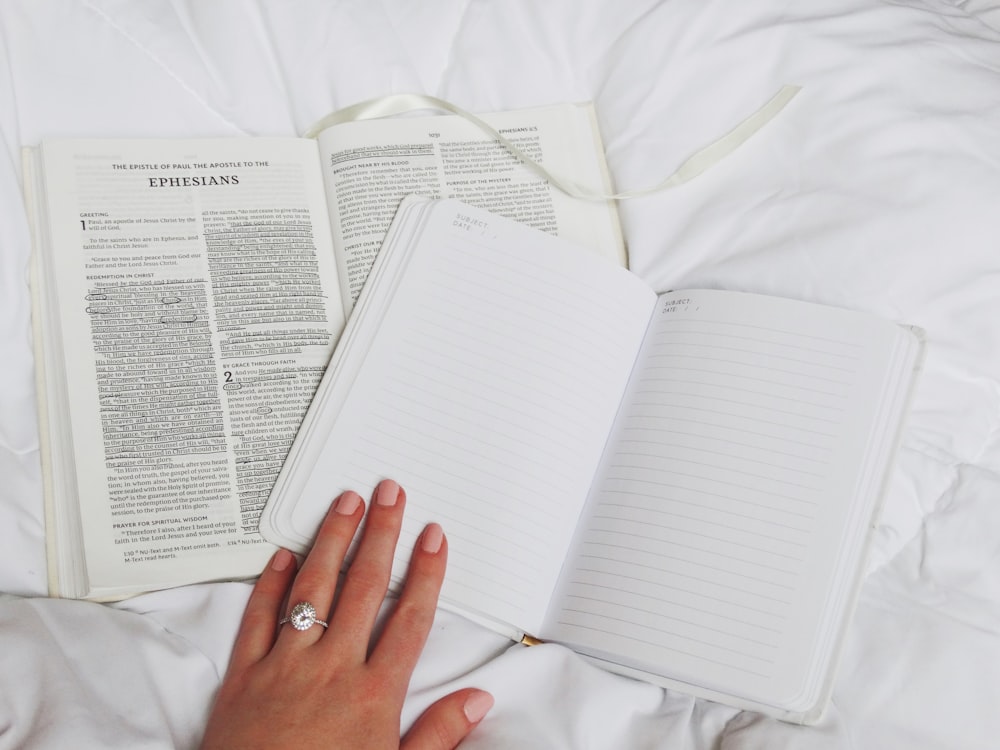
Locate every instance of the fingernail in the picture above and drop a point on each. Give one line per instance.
(431, 539)
(347, 503)
(388, 493)
(282, 559)
(477, 705)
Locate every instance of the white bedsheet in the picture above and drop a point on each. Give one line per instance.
(877, 189)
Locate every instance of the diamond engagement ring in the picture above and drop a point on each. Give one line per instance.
(302, 617)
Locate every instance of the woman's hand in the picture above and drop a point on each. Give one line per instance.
(332, 688)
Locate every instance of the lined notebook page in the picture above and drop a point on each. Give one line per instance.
(708, 546)
(488, 392)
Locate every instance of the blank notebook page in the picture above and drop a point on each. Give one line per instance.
(488, 392)
(708, 545)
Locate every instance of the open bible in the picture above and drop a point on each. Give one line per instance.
(188, 294)
(680, 486)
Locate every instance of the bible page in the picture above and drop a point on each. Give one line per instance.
(370, 166)
(194, 293)
(482, 370)
(711, 543)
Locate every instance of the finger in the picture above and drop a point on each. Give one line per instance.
(317, 578)
(260, 619)
(448, 721)
(368, 578)
(406, 631)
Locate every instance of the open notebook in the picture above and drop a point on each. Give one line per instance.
(680, 486)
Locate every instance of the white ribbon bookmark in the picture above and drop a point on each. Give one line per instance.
(697, 163)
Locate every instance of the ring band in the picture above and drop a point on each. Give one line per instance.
(302, 617)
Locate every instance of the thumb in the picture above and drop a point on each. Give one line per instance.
(446, 722)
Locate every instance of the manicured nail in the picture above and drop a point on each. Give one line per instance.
(388, 493)
(282, 559)
(477, 705)
(430, 540)
(347, 503)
